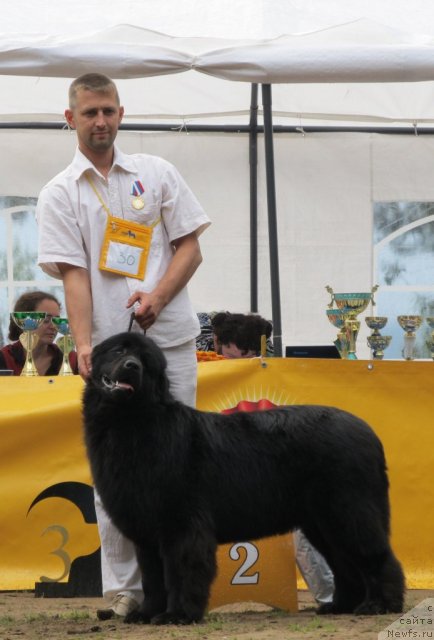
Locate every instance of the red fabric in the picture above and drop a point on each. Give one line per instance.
(9, 359)
(248, 405)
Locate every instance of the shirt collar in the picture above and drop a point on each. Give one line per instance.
(80, 163)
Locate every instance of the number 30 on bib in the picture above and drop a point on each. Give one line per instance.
(125, 248)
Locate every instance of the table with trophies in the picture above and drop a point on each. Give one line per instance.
(343, 311)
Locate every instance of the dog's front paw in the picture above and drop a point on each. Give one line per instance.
(170, 617)
(137, 617)
(333, 608)
(370, 608)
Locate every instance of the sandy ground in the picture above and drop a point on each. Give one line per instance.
(24, 617)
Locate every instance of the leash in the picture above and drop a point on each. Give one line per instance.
(130, 325)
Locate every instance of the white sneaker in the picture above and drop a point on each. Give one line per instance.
(120, 606)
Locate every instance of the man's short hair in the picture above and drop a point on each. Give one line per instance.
(97, 82)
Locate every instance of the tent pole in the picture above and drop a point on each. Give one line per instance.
(253, 163)
(272, 220)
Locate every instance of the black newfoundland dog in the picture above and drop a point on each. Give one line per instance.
(178, 482)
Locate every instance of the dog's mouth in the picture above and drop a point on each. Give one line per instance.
(116, 385)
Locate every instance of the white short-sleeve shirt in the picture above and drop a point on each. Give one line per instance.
(72, 223)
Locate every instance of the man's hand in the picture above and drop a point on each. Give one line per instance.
(148, 310)
(186, 259)
(84, 361)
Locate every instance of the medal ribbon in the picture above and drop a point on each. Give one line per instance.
(105, 207)
(137, 189)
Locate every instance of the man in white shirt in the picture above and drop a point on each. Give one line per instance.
(121, 231)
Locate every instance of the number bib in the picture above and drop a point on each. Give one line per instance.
(125, 248)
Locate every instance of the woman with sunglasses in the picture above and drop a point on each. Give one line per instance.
(47, 356)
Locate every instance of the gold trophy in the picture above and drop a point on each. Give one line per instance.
(28, 322)
(430, 342)
(65, 344)
(377, 342)
(410, 324)
(337, 318)
(351, 304)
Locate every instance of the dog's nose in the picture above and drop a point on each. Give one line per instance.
(132, 363)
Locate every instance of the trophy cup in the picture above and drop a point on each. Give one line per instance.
(410, 324)
(65, 344)
(337, 318)
(430, 342)
(377, 342)
(351, 304)
(28, 322)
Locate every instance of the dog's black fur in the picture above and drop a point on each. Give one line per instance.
(178, 482)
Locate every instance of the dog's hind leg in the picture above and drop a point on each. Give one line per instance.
(368, 542)
(155, 595)
(368, 578)
(349, 588)
(190, 567)
(393, 584)
(385, 585)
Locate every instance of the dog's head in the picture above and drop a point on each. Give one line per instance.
(128, 364)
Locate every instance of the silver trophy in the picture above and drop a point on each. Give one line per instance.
(410, 324)
(376, 341)
(430, 342)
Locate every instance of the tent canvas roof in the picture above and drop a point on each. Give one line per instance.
(351, 63)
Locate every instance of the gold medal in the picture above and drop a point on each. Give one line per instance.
(138, 203)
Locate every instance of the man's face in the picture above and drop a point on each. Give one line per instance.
(96, 117)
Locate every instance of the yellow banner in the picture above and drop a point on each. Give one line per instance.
(44, 501)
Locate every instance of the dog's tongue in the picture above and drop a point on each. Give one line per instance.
(124, 385)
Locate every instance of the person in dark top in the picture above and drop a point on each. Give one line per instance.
(47, 356)
(234, 335)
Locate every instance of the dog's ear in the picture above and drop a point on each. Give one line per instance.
(155, 358)
(95, 360)
(156, 364)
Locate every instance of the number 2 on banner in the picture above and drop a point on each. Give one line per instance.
(252, 555)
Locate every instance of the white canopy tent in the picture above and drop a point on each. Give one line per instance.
(356, 72)
(340, 63)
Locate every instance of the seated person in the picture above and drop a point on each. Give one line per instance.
(47, 356)
(234, 335)
(237, 335)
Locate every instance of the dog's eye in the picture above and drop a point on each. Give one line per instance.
(117, 351)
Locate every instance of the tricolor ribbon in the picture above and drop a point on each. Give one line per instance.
(137, 189)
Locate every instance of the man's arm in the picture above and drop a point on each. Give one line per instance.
(78, 297)
(186, 259)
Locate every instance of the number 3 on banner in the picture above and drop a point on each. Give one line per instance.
(252, 555)
(59, 551)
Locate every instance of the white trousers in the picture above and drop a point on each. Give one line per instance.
(314, 569)
(119, 568)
